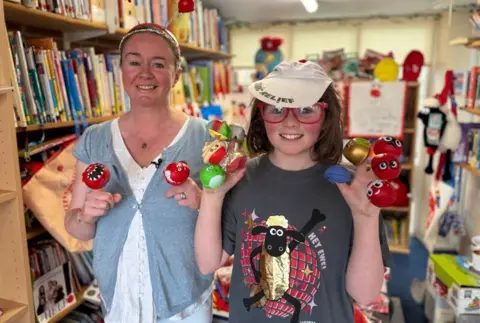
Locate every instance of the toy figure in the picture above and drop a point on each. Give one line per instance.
(96, 176)
(176, 173)
(386, 166)
(267, 57)
(222, 155)
(381, 193)
(388, 145)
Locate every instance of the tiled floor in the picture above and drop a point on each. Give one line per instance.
(404, 269)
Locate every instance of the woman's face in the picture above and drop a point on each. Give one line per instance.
(148, 69)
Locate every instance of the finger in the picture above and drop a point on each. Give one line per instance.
(93, 212)
(117, 198)
(184, 203)
(179, 197)
(174, 191)
(99, 204)
(101, 195)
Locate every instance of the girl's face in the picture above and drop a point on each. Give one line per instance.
(148, 69)
(290, 137)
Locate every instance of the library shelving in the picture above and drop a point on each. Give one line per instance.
(402, 215)
(16, 300)
(16, 297)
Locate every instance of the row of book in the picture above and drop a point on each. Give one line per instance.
(466, 86)
(55, 85)
(203, 27)
(468, 150)
(396, 230)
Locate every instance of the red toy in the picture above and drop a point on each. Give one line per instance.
(186, 6)
(402, 192)
(386, 166)
(381, 193)
(96, 176)
(176, 173)
(388, 144)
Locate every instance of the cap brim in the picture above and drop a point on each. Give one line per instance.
(288, 93)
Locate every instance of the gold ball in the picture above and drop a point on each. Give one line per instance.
(357, 150)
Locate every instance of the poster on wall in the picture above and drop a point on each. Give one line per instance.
(376, 109)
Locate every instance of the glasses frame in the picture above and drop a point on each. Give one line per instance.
(321, 105)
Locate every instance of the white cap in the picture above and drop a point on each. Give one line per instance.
(292, 85)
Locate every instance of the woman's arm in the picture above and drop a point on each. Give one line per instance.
(77, 229)
(208, 233)
(365, 269)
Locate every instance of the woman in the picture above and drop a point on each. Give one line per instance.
(143, 228)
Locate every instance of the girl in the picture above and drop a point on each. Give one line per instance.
(303, 248)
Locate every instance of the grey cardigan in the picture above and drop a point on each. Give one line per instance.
(169, 228)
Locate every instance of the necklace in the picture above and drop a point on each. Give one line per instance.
(144, 145)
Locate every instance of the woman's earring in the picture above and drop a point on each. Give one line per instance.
(323, 105)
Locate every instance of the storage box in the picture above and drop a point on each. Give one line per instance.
(463, 285)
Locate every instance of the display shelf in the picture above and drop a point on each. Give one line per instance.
(397, 209)
(5, 89)
(12, 311)
(63, 124)
(35, 232)
(470, 169)
(6, 196)
(401, 249)
(20, 14)
(475, 111)
(79, 301)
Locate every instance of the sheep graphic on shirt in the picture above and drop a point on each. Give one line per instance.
(272, 276)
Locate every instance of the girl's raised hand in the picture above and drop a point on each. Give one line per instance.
(355, 194)
(230, 181)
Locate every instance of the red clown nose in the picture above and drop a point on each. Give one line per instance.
(186, 6)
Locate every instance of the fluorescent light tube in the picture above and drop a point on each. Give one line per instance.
(311, 6)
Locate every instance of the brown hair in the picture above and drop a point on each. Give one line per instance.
(155, 30)
(329, 146)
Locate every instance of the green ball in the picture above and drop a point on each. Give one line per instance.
(212, 176)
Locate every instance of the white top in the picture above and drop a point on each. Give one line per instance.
(133, 296)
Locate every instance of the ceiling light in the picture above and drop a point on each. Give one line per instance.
(311, 6)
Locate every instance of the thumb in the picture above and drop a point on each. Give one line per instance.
(117, 197)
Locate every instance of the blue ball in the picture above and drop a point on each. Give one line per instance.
(338, 174)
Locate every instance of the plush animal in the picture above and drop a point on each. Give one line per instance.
(267, 57)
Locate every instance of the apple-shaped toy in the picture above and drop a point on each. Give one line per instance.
(236, 161)
(386, 166)
(388, 145)
(212, 176)
(357, 150)
(381, 193)
(219, 129)
(96, 176)
(186, 6)
(214, 152)
(176, 173)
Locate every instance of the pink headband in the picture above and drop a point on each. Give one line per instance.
(157, 30)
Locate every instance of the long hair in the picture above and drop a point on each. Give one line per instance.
(329, 146)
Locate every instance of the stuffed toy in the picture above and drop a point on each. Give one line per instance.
(267, 57)
(435, 121)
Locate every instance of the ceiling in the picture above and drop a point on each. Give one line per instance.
(288, 10)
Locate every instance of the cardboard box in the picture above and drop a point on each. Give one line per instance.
(463, 285)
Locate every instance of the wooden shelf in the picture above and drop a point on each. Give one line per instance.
(470, 169)
(79, 301)
(65, 124)
(395, 248)
(5, 89)
(405, 209)
(475, 111)
(12, 311)
(19, 14)
(35, 232)
(6, 196)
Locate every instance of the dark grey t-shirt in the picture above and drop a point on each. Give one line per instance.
(262, 216)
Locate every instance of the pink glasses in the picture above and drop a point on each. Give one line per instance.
(308, 115)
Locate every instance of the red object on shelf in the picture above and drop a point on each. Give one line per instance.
(186, 6)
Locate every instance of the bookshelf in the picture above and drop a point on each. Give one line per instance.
(402, 214)
(16, 294)
(16, 300)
